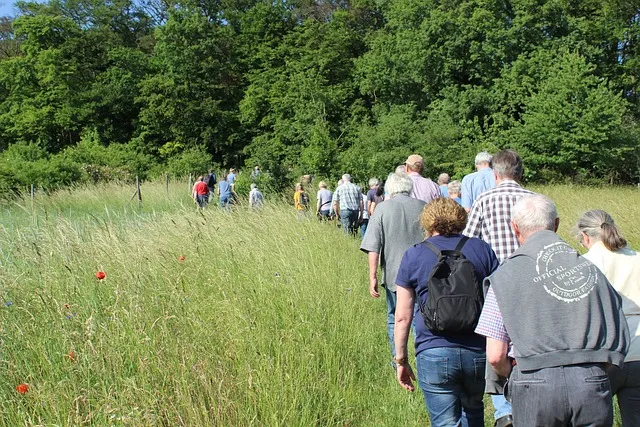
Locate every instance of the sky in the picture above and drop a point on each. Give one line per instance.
(6, 8)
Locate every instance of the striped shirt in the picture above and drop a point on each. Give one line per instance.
(490, 218)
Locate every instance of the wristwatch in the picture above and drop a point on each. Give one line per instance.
(401, 361)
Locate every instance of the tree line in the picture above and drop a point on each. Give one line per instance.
(106, 90)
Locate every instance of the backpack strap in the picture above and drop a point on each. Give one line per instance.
(433, 248)
(461, 243)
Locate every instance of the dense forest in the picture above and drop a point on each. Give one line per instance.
(93, 89)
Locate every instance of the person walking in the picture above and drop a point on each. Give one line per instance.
(423, 188)
(348, 205)
(393, 228)
(200, 193)
(489, 220)
(564, 321)
(478, 182)
(609, 251)
(450, 365)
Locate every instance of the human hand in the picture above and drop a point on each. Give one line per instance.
(405, 376)
(373, 287)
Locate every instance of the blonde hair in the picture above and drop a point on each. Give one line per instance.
(322, 184)
(444, 216)
(599, 226)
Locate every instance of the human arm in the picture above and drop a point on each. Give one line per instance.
(474, 222)
(374, 258)
(361, 210)
(497, 356)
(466, 194)
(317, 203)
(403, 318)
(491, 326)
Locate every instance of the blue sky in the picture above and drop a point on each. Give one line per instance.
(6, 8)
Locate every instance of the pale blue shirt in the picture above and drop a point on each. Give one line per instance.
(475, 184)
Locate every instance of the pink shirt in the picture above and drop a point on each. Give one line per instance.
(423, 188)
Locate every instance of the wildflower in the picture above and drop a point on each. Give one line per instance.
(181, 258)
(66, 306)
(72, 356)
(22, 388)
(101, 275)
(8, 304)
(277, 275)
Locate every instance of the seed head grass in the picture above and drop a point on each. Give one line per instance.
(267, 319)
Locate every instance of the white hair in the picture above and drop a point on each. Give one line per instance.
(373, 182)
(398, 183)
(483, 157)
(454, 187)
(443, 178)
(534, 213)
(346, 177)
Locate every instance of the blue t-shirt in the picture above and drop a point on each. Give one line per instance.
(225, 189)
(231, 178)
(444, 190)
(415, 268)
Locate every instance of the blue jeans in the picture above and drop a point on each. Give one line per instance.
(392, 298)
(225, 201)
(501, 405)
(363, 227)
(577, 395)
(349, 220)
(452, 381)
(625, 383)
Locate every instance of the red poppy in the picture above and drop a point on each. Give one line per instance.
(101, 275)
(22, 388)
(66, 306)
(72, 356)
(181, 258)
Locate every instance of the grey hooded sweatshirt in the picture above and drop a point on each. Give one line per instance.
(557, 307)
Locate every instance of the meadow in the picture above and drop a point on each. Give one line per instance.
(203, 317)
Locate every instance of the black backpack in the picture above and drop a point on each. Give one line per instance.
(304, 199)
(455, 297)
(211, 180)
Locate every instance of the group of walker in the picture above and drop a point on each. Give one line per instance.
(205, 187)
(560, 331)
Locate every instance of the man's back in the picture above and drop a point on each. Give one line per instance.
(423, 188)
(490, 218)
(476, 183)
(394, 228)
(348, 195)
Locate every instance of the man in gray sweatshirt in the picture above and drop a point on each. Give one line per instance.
(565, 322)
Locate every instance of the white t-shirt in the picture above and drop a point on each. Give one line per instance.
(622, 268)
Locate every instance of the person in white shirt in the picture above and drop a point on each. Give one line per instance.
(609, 251)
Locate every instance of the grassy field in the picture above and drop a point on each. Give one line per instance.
(203, 318)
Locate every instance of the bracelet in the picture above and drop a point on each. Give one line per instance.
(401, 361)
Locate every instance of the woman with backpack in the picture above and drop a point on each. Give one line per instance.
(444, 275)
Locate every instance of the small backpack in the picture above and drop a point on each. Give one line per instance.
(211, 180)
(455, 297)
(304, 199)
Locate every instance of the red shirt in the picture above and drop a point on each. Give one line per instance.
(201, 188)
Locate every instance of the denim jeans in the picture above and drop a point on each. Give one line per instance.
(349, 220)
(501, 406)
(452, 381)
(625, 383)
(392, 298)
(225, 201)
(363, 227)
(577, 395)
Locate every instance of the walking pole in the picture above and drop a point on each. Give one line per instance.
(138, 191)
(166, 180)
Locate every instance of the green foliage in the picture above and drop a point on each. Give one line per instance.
(323, 88)
(195, 161)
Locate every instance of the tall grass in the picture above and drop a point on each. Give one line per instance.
(266, 321)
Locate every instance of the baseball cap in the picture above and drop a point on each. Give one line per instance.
(414, 160)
